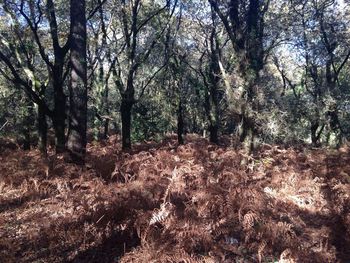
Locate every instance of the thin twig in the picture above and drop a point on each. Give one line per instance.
(3, 126)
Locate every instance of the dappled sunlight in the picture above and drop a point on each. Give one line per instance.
(175, 131)
(197, 202)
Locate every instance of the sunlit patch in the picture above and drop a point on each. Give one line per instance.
(308, 195)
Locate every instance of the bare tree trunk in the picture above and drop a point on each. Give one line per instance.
(106, 129)
(27, 125)
(214, 82)
(125, 110)
(42, 130)
(106, 110)
(316, 132)
(78, 90)
(59, 119)
(213, 130)
(247, 134)
(57, 74)
(180, 125)
(26, 138)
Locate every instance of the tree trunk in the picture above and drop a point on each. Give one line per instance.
(57, 75)
(180, 125)
(26, 138)
(106, 129)
(316, 133)
(214, 85)
(211, 111)
(213, 130)
(249, 141)
(78, 87)
(125, 110)
(214, 119)
(248, 44)
(59, 119)
(27, 125)
(314, 139)
(247, 134)
(42, 130)
(106, 110)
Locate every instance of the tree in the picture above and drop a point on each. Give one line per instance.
(141, 33)
(319, 40)
(78, 86)
(212, 79)
(244, 24)
(177, 66)
(22, 70)
(99, 74)
(30, 15)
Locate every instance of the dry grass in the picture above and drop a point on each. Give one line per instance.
(163, 203)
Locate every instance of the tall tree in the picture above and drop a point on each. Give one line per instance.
(78, 85)
(58, 75)
(23, 68)
(141, 30)
(212, 78)
(319, 40)
(28, 17)
(244, 22)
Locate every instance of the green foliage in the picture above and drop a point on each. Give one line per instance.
(151, 120)
(282, 108)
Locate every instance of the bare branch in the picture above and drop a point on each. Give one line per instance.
(34, 29)
(96, 9)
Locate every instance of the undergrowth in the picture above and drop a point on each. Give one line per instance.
(166, 203)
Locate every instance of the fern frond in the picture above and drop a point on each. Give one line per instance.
(160, 215)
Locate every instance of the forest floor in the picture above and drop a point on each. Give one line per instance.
(167, 203)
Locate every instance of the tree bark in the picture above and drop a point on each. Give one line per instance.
(42, 130)
(180, 125)
(57, 74)
(106, 129)
(247, 134)
(125, 110)
(211, 100)
(78, 87)
(213, 130)
(106, 110)
(247, 42)
(26, 138)
(27, 125)
(59, 118)
(314, 137)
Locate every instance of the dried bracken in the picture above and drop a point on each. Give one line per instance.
(164, 203)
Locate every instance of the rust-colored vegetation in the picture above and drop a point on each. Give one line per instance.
(168, 203)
